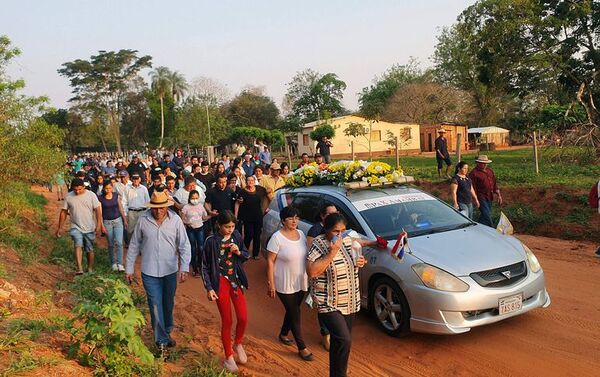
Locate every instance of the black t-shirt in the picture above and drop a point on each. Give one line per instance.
(138, 168)
(250, 209)
(179, 161)
(323, 147)
(207, 179)
(220, 200)
(441, 145)
(315, 230)
(463, 192)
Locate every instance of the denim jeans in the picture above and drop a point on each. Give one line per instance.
(161, 299)
(114, 233)
(83, 240)
(466, 209)
(485, 215)
(196, 237)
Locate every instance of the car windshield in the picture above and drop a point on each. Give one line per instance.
(416, 217)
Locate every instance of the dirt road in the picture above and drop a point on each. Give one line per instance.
(562, 340)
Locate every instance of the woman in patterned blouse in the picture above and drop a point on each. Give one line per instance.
(334, 288)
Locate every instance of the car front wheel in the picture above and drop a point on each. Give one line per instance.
(390, 307)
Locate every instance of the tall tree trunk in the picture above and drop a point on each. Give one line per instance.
(117, 125)
(162, 122)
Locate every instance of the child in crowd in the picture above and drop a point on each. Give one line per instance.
(194, 215)
(225, 280)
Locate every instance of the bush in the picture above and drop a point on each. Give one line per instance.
(109, 337)
(325, 130)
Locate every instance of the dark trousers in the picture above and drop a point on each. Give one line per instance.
(196, 237)
(252, 231)
(160, 292)
(340, 331)
(485, 212)
(292, 302)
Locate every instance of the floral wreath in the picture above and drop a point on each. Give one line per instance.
(342, 172)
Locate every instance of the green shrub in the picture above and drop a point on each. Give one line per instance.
(24, 361)
(578, 216)
(110, 330)
(34, 327)
(525, 217)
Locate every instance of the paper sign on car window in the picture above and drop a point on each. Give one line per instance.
(363, 205)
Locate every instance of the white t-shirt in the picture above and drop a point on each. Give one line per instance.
(81, 208)
(290, 265)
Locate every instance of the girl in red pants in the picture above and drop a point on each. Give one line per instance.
(225, 280)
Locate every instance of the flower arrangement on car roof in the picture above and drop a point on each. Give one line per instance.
(343, 172)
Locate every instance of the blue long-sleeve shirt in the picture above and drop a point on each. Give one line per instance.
(165, 249)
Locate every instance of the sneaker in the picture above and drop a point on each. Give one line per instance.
(121, 267)
(230, 364)
(597, 254)
(241, 354)
(115, 267)
(326, 342)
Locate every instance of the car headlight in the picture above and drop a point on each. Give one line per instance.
(438, 279)
(534, 264)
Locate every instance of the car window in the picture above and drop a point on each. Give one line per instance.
(307, 205)
(343, 209)
(416, 218)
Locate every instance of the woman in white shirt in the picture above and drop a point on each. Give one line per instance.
(286, 274)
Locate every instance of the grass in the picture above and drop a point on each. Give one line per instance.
(205, 365)
(515, 168)
(25, 361)
(22, 219)
(33, 327)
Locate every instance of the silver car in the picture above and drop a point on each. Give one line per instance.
(456, 275)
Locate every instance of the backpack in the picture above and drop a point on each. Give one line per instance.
(593, 196)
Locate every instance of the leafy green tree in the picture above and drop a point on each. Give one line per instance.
(357, 130)
(102, 82)
(191, 123)
(249, 136)
(70, 123)
(179, 86)
(251, 109)
(373, 99)
(312, 96)
(325, 130)
(136, 114)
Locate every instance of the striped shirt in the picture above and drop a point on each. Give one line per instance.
(336, 289)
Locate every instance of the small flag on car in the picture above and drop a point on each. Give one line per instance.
(400, 246)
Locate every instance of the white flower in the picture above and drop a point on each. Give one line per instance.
(364, 179)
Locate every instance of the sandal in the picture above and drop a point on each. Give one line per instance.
(286, 341)
(79, 273)
(309, 357)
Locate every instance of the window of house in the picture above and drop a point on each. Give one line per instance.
(375, 135)
(304, 139)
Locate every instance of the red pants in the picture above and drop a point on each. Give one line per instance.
(226, 297)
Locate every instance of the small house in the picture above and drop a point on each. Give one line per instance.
(499, 137)
(379, 132)
(429, 133)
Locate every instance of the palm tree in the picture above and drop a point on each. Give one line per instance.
(179, 85)
(161, 85)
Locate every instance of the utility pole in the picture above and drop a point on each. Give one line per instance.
(535, 154)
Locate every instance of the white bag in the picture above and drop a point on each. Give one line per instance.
(504, 225)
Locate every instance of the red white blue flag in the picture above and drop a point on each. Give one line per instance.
(401, 245)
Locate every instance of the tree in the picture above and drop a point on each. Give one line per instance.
(191, 123)
(161, 85)
(251, 109)
(69, 122)
(102, 82)
(312, 96)
(179, 86)
(428, 103)
(325, 130)
(356, 130)
(249, 136)
(209, 91)
(373, 99)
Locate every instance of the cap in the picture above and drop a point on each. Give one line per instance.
(135, 175)
(123, 173)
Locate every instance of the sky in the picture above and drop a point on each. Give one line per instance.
(238, 43)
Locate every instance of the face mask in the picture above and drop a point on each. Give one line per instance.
(194, 201)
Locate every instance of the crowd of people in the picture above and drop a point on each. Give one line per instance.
(184, 214)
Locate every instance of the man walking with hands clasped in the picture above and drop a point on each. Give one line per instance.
(160, 238)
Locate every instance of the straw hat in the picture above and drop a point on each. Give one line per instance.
(159, 199)
(275, 166)
(442, 131)
(483, 159)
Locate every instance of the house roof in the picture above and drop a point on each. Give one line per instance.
(331, 120)
(487, 130)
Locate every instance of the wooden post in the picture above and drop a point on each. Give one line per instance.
(458, 145)
(352, 149)
(289, 155)
(535, 154)
(397, 153)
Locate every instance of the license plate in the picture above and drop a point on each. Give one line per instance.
(510, 304)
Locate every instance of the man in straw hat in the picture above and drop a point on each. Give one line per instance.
(160, 238)
(485, 185)
(441, 153)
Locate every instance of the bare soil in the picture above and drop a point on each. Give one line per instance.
(562, 340)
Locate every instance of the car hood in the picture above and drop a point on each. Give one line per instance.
(463, 251)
